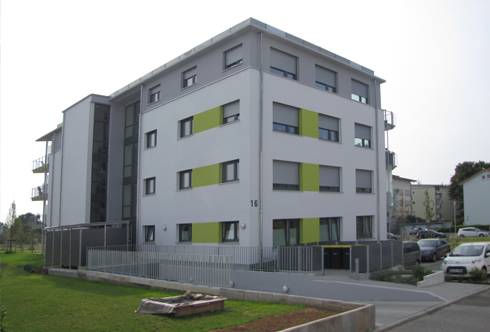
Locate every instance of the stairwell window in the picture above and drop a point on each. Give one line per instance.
(283, 64)
(285, 118)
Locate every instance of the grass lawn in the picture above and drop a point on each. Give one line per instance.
(50, 303)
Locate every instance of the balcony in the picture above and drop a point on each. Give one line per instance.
(390, 158)
(40, 165)
(389, 120)
(39, 193)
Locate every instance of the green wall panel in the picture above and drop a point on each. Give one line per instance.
(308, 123)
(309, 230)
(209, 232)
(309, 177)
(209, 119)
(206, 175)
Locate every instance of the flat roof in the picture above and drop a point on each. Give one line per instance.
(247, 24)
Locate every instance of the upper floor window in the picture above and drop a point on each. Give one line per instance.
(186, 127)
(185, 179)
(231, 112)
(230, 171)
(285, 175)
(151, 139)
(329, 178)
(189, 77)
(154, 94)
(285, 118)
(363, 136)
(233, 57)
(283, 64)
(326, 79)
(359, 92)
(328, 128)
(364, 182)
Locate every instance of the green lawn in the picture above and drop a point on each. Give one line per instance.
(51, 303)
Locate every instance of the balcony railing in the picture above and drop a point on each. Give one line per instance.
(39, 193)
(40, 165)
(389, 120)
(390, 160)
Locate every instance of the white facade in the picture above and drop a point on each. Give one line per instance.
(476, 192)
(129, 178)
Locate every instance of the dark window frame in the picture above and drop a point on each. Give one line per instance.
(235, 231)
(147, 186)
(235, 63)
(224, 173)
(287, 228)
(181, 226)
(331, 135)
(182, 175)
(191, 80)
(149, 234)
(283, 73)
(153, 95)
(182, 127)
(149, 140)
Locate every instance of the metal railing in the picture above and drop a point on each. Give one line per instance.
(391, 160)
(39, 193)
(270, 259)
(390, 120)
(39, 165)
(197, 269)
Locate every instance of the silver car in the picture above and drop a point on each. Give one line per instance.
(471, 232)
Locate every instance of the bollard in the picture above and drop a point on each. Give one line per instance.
(357, 268)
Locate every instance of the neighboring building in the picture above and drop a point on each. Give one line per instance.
(476, 193)
(254, 138)
(443, 205)
(402, 196)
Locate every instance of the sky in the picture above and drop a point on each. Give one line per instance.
(433, 55)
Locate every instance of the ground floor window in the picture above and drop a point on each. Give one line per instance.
(185, 233)
(285, 232)
(329, 229)
(149, 233)
(229, 231)
(364, 227)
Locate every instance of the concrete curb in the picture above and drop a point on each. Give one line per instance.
(424, 312)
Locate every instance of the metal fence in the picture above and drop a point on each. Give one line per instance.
(198, 269)
(271, 259)
(377, 256)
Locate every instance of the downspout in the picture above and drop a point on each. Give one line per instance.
(377, 162)
(61, 169)
(261, 151)
(138, 182)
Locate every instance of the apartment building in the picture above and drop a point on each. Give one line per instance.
(439, 195)
(402, 196)
(253, 138)
(476, 191)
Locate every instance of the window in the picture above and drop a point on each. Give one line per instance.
(364, 181)
(233, 57)
(363, 136)
(185, 232)
(359, 92)
(154, 94)
(326, 79)
(150, 186)
(329, 178)
(186, 127)
(151, 139)
(285, 232)
(149, 233)
(283, 64)
(229, 231)
(285, 118)
(329, 229)
(285, 175)
(328, 128)
(229, 171)
(231, 112)
(185, 179)
(189, 77)
(364, 227)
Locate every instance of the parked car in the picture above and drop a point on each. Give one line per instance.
(415, 230)
(429, 233)
(466, 257)
(471, 232)
(411, 254)
(433, 249)
(391, 236)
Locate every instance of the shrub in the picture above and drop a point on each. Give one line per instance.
(382, 275)
(477, 276)
(418, 273)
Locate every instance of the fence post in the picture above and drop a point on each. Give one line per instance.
(357, 268)
(367, 261)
